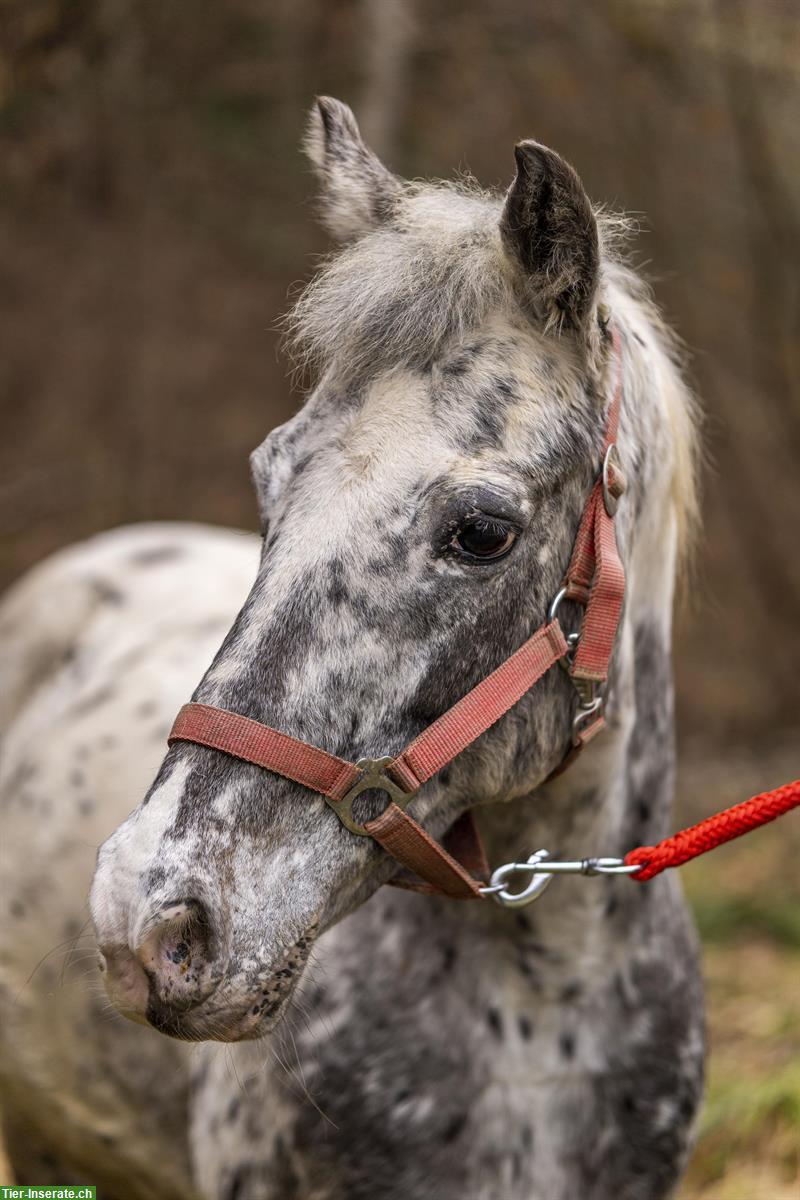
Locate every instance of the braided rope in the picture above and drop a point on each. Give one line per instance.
(714, 831)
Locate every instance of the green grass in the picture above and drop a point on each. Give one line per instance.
(723, 920)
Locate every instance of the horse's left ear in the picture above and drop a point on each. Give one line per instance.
(358, 191)
(549, 230)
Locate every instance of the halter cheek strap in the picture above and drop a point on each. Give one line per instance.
(595, 578)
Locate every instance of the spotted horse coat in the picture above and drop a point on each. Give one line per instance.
(377, 1043)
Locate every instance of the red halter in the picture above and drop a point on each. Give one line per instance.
(595, 578)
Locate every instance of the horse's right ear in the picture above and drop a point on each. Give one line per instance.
(549, 231)
(358, 192)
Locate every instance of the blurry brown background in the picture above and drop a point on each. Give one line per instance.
(155, 209)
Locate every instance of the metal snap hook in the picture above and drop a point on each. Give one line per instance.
(543, 869)
(540, 879)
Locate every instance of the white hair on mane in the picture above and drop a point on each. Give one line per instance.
(435, 272)
(631, 301)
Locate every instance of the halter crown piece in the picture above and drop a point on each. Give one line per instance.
(595, 578)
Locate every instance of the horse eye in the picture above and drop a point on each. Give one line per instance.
(484, 539)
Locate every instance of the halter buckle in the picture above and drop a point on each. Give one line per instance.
(373, 775)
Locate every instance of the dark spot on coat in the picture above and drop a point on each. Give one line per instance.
(92, 701)
(460, 364)
(454, 1128)
(107, 593)
(20, 776)
(237, 1185)
(155, 878)
(156, 554)
(495, 1022)
(336, 591)
(489, 427)
(529, 971)
(199, 1076)
(566, 1044)
(525, 1027)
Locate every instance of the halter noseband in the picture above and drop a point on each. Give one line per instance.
(595, 579)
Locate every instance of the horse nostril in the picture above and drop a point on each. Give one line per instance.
(180, 952)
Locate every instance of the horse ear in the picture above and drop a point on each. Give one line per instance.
(358, 192)
(549, 229)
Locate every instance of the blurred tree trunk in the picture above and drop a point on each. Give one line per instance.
(389, 30)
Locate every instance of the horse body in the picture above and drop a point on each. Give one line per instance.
(426, 1047)
(102, 641)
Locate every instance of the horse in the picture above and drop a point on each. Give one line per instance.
(417, 517)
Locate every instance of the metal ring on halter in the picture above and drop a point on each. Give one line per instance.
(572, 639)
(556, 603)
(373, 776)
(586, 714)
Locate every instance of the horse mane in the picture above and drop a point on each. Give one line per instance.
(436, 271)
(656, 361)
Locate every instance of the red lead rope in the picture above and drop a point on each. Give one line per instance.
(714, 831)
